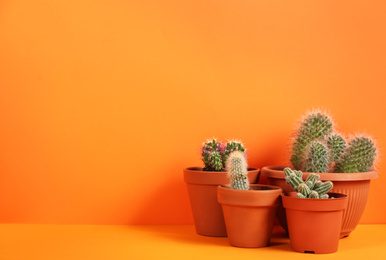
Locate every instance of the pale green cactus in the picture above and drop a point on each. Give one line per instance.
(237, 169)
(312, 188)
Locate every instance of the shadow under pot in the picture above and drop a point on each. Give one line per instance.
(202, 188)
(314, 225)
(249, 214)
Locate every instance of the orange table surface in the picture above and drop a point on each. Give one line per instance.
(27, 241)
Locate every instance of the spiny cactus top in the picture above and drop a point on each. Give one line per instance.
(315, 126)
(359, 157)
(237, 170)
(215, 153)
(318, 148)
(311, 188)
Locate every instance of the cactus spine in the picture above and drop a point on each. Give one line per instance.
(215, 154)
(317, 158)
(358, 157)
(312, 188)
(318, 148)
(237, 169)
(315, 126)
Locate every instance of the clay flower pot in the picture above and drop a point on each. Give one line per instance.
(314, 224)
(249, 214)
(355, 185)
(202, 188)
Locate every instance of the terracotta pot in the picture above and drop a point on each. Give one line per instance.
(202, 188)
(355, 185)
(314, 224)
(249, 214)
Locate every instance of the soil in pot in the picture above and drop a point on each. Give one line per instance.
(355, 185)
(249, 214)
(207, 212)
(314, 225)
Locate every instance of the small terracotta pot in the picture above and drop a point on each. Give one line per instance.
(249, 214)
(355, 185)
(314, 224)
(202, 188)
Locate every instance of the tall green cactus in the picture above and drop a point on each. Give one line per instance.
(358, 157)
(316, 125)
(237, 169)
(317, 158)
(312, 188)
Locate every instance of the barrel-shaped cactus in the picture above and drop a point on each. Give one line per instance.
(315, 125)
(336, 144)
(312, 188)
(317, 158)
(237, 170)
(359, 156)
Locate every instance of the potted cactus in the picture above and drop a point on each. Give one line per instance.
(314, 216)
(317, 147)
(202, 185)
(249, 209)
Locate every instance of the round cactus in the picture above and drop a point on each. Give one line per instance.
(316, 125)
(359, 156)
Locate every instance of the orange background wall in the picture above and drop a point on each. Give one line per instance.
(103, 103)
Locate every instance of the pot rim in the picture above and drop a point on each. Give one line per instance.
(200, 169)
(301, 204)
(249, 198)
(195, 175)
(276, 171)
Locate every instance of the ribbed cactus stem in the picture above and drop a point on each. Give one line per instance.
(311, 180)
(292, 178)
(324, 196)
(301, 196)
(336, 144)
(314, 195)
(304, 189)
(237, 169)
(324, 187)
(317, 158)
(315, 126)
(358, 157)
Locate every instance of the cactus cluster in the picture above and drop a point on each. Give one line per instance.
(215, 153)
(318, 148)
(311, 188)
(237, 169)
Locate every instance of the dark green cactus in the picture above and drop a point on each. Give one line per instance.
(317, 158)
(215, 154)
(312, 188)
(237, 169)
(337, 145)
(316, 125)
(359, 156)
(232, 146)
(211, 156)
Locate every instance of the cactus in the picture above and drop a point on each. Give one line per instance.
(211, 156)
(358, 157)
(318, 148)
(215, 154)
(337, 145)
(237, 169)
(312, 188)
(316, 125)
(317, 158)
(231, 146)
